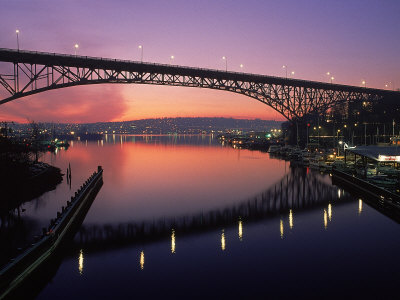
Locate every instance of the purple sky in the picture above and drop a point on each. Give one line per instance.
(354, 40)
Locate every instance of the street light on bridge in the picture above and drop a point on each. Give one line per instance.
(226, 63)
(17, 33)
(76, 46)
(292, 73)
(285, 67)
(364, 83)
(241, 66)
(172, 57)
(332, 78)
(141, 53)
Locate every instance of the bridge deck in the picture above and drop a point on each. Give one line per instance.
(50, 59)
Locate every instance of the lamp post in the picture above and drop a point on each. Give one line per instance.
(285, 67)
(332, 78)
(172, 57)
(76, 46)
(141, 53)
(364, 83)
(292, 73)
(17, 33)
(337, 137)
(226, 63)
(241, 67)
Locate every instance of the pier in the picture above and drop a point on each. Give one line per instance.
(60, 229)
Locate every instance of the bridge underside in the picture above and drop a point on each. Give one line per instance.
(289, 97)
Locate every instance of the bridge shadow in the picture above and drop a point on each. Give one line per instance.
(299, 190)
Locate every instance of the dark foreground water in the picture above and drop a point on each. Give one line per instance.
(184, 217)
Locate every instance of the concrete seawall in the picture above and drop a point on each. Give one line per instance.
(60, 229)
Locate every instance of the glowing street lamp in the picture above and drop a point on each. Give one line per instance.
(172, 57)
(285, 67)
(141, 53)
(17, 33)
(332, 78)
(226, 63)
(241, 66)
(292, 73)
(76, 46)
(364, 83)
(387, 85)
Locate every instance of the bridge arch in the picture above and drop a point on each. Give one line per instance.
(36, 72)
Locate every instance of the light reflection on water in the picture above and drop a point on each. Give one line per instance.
(80, 262)
(141, 260)
(223, 245)
(240, 230)
(173, 245)
(177, 180)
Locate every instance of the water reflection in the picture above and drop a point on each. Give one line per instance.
(223, 240)
(281, 228)
(173, 241)
(141, 260)
(325, 219)
(296, 191)
(160, 139)
(240, 230)
(80, 262)
(330, 212)
(360, 208)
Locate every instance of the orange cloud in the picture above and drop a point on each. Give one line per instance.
(74, 104)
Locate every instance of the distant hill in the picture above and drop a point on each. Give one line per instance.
(160, 126)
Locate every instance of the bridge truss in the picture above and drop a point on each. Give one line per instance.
(24, 73)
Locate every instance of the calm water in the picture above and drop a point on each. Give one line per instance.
(268, 231)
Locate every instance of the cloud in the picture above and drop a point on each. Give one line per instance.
(97, 103)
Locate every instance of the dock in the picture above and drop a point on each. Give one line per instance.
(60, 229)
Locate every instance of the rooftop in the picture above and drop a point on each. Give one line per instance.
(378, 153)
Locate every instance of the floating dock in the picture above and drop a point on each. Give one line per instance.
(71, 216)
(367, 188)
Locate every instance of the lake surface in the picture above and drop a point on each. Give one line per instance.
(266, 229)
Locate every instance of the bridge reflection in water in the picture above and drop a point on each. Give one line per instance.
(298, 190)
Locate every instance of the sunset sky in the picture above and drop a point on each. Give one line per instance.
(354, 40)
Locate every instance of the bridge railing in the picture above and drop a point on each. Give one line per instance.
(150, 63)
(289, 81)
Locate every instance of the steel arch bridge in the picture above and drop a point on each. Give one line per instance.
(28, 72)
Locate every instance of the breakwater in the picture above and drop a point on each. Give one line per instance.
(59, 230)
